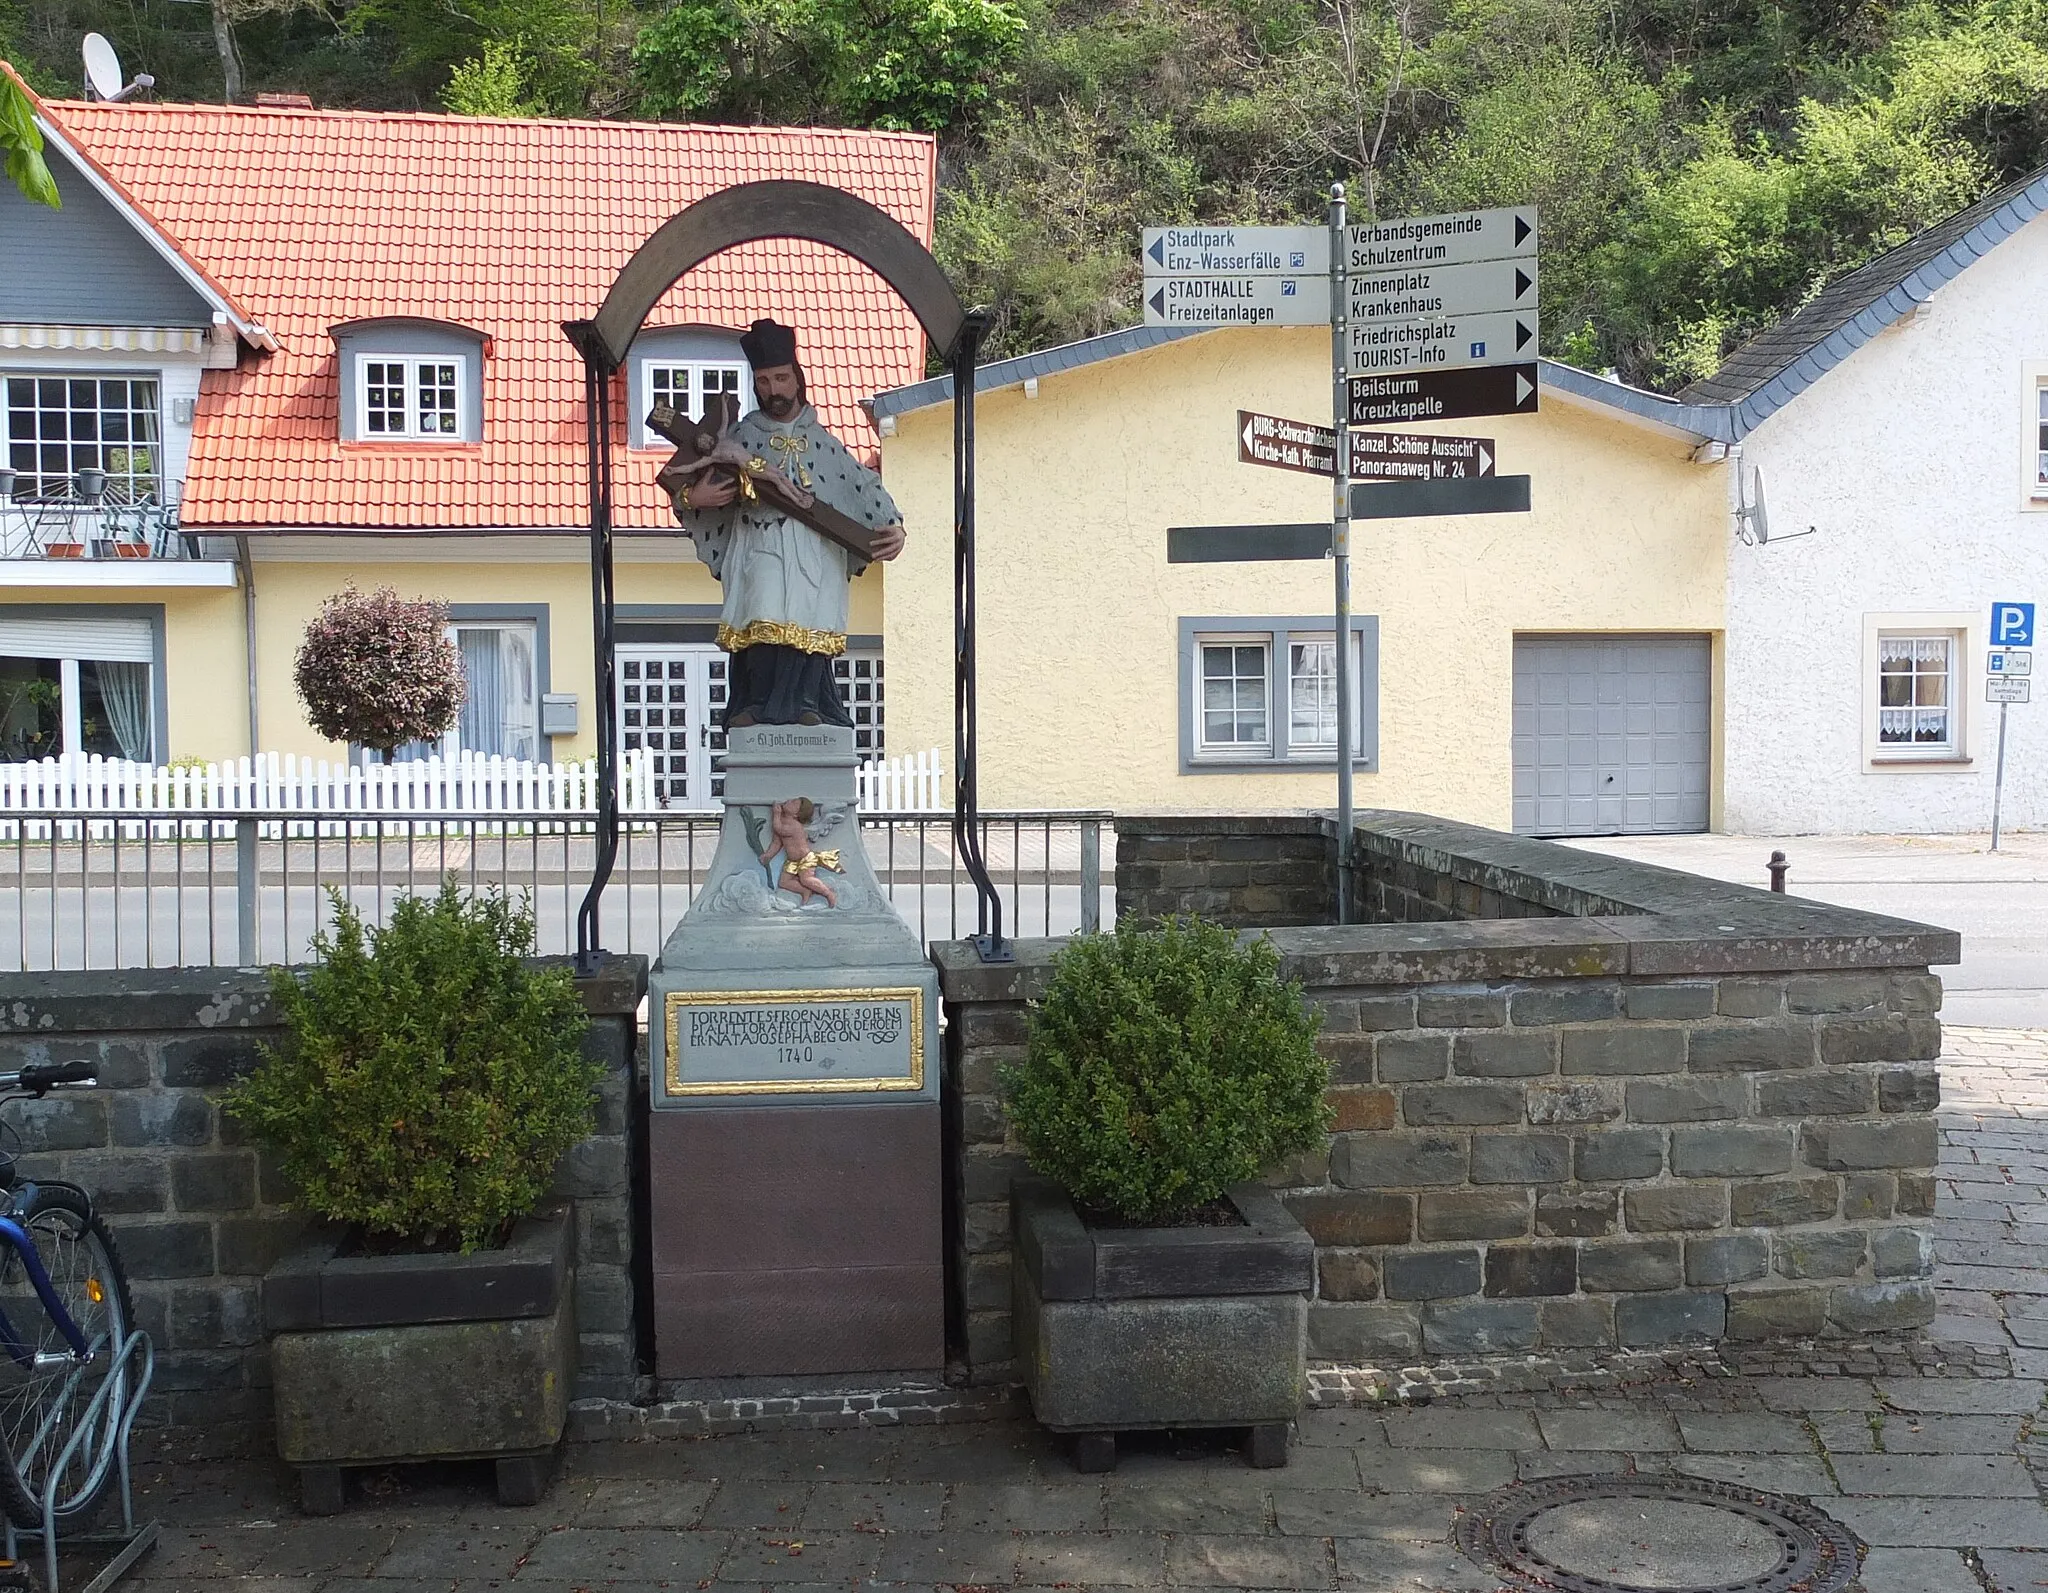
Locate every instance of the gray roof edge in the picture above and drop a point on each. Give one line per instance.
(1706, 422)
(1022, 367)
(1897, 301)
(1703, 421)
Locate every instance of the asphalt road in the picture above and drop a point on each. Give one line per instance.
(1998, 900)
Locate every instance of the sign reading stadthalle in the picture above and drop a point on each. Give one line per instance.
(804, 1042)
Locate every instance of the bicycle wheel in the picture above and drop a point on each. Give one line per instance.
(45, 1393)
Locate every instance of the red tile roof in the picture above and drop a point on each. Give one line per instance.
(312, 218)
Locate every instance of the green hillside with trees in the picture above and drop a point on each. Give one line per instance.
(1703, 165)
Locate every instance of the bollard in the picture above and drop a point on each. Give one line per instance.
(1777, 866)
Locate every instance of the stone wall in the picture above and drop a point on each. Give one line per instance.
(1702, 1112)
(1255, 871)
(198, 1215)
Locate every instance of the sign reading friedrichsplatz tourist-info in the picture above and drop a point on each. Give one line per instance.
(1236, 276)
(1441, 343)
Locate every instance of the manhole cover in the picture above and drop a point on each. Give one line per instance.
(1651, 1535)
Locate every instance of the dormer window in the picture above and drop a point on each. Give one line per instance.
(410, 381)
(683, 367)
(417, 399)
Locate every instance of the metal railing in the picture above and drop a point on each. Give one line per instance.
(63, 526)
(169, 889)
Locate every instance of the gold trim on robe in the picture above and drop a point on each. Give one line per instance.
(778, 633)
(811, 860)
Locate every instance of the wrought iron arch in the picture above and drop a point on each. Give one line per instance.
(839, 220)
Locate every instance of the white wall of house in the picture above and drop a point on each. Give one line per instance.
(1914, 460)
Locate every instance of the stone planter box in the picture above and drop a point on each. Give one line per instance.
(1123, 1329)
(376, 1359)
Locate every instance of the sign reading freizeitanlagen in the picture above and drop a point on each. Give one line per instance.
(797, 1042)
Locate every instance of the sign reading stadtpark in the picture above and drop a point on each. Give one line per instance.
(1444, 395)
(1375, 455)
(2003, 688)
(1237, 251)
(2012, 661)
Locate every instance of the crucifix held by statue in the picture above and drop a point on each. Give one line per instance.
(779, 510)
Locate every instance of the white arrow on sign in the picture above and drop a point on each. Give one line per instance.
(1240, 251)
(1410, 293)
(1444, 240)
(1443, 343)
(1237, 301)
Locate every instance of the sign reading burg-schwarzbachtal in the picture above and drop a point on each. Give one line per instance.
(798, 1042)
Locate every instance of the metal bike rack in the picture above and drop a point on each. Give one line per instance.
(131, 1542)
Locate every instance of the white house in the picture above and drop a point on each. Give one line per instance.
(1899, 423)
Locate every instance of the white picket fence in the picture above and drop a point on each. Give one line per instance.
(465, 787)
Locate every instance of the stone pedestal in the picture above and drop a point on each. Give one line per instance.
(795, 1173)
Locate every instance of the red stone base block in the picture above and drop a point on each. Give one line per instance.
(796, 1240)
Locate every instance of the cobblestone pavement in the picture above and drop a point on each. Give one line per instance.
(1941, 1474)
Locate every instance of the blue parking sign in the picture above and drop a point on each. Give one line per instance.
(2012, 625)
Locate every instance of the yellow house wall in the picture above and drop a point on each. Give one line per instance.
(206, 673)
(1078, 609)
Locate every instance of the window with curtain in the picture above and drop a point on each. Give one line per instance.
(501, 715)
(50, 706)
(1916, 693)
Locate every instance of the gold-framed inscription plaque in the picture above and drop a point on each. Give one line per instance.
(794, 1042)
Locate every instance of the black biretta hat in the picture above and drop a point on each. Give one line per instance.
(768, 343)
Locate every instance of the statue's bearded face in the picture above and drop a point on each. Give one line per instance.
(779, 389)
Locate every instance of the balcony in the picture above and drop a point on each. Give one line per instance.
(91, 531)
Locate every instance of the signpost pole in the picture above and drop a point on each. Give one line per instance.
(1998, 781)
(1340, 538)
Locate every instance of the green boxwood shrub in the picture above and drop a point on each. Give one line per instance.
(430, 1077)
(1166, 1064)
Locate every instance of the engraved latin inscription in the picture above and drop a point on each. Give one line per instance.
(831, 1040)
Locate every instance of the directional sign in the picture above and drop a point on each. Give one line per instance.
(1415, 500)
(1285, 444)
(2000, 689)
(2012, 663)
(1375, 455)
(1442, 343)
(1444, 240)
(1237, 301)
(1237, 251)
(1418, 291)
(1417, 456)
(2012, 624)
(1234, 544)
(1444, 395)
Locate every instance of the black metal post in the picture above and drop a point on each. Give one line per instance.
(989, 942)
(1777, 865)
(597, 373)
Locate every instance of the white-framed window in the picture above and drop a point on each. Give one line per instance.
(1917, 696)
(85, 684)
(500, 714)
(1233, 714)
(410, 397)
(686, 385)
(1264, 691)
(2039, 439)
(59, 425)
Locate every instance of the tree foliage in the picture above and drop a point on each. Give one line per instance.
(1703, 166)
(379, 670)
(430, 1078)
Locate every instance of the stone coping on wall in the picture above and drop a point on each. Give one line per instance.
(122, 1000)
(1615, 917)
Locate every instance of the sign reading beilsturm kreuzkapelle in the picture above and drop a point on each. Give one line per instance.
(798, 1042)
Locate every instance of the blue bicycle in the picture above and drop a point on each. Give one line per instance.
(65, 1315)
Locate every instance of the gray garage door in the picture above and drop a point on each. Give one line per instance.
(1612, 734)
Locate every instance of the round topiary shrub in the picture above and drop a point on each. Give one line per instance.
(430, 1077)
(1166, 1064)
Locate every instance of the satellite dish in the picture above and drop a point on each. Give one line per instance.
(102, 68)
(103, 71)
(1751, 522)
